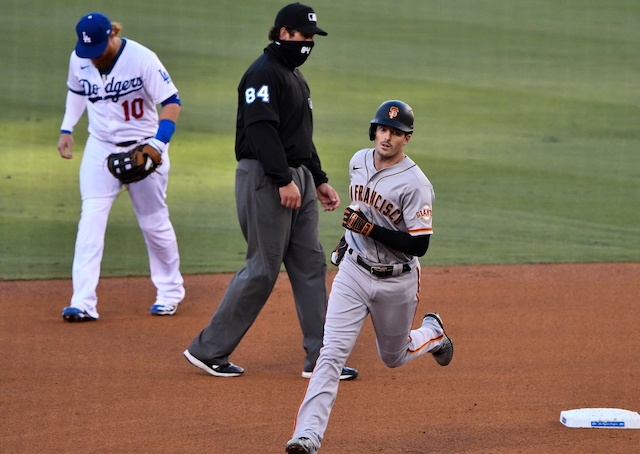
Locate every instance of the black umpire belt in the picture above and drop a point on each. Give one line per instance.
(383, 270)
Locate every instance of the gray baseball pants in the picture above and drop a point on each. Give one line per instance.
(275, 235)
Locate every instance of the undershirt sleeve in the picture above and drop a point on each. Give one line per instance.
(401, 241)
(314, 166)
(74, 109)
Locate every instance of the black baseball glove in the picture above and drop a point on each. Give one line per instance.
(135, 164)
(338, 252)
(356, 221)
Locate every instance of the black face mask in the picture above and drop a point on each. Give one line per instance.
(294, 53)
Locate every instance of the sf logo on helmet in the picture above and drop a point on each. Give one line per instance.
(393, 112)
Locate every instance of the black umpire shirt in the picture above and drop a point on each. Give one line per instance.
(275, 123)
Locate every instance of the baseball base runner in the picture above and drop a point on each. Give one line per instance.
(388, 226)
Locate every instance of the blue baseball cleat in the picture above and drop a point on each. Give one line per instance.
(73, 314)
(163, 309)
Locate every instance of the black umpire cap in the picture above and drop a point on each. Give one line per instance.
(299, 17)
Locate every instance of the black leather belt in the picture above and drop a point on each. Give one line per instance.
(129, 143)
(381, 270)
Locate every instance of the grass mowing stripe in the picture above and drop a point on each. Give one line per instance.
(526, 123)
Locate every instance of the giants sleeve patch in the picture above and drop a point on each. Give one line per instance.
(424, 214)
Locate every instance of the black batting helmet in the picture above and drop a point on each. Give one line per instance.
(394, 113)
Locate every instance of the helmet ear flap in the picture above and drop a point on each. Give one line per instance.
(372, 131)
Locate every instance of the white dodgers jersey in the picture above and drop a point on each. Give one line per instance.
(121, 104)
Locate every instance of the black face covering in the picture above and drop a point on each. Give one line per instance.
(294, 53)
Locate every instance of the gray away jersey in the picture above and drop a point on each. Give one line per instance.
(399, 197)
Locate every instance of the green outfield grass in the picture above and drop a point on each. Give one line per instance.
(527, 119)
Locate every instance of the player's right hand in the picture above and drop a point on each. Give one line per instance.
(356, 221)
(290, 196)
(65, 145)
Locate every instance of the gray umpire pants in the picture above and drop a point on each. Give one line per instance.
(275, 235)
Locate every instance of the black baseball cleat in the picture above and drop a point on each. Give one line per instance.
(348, 373)
(300, 445)
(444, 354)
(217, 370)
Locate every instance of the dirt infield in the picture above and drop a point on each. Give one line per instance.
(530, 342)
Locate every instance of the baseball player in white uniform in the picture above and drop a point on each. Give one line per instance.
(120, 82)
(388, 226)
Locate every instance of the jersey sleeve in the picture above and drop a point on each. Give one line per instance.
(73, 82)
(418, 211)
(159, 84)
(315, 167)
(259, 93)
(263, 139)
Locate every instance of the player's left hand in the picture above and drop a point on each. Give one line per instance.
(134, 165)
(328, 197)
(356, 221)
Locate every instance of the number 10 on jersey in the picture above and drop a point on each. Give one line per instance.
(134, 109)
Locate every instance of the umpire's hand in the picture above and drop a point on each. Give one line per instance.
(290, 196)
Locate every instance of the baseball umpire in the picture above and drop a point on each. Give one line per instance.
(279, 181)
(388, 226)
(120, 82)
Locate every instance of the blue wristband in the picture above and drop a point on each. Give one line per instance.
(166, 128)
(64, 131)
